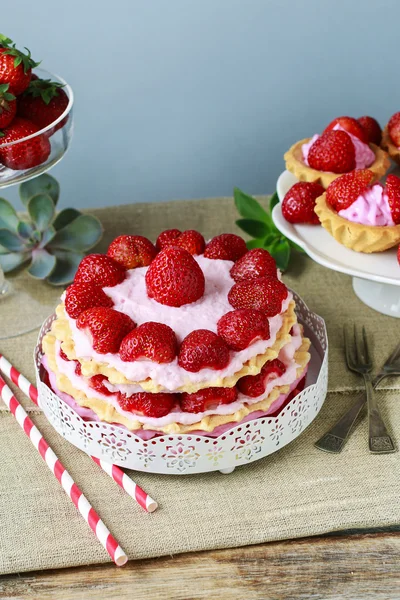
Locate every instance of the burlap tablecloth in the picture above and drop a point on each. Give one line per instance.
(298, 491)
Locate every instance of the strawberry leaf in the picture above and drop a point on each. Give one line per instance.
(280, 250)
(249, 208)
(274, 200)
(257, 229)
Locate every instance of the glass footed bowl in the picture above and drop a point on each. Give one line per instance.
(59, 139)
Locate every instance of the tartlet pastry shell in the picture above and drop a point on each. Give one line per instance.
(361, 238)
(388, 145)
(295, 164)
(106, 412)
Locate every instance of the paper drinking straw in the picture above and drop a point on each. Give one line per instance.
(69, 486)
(125, 482)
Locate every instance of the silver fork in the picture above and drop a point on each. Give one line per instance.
(379, 440)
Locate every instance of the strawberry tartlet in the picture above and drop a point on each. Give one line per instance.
(177, 337)
(360, 214)
(342, 147)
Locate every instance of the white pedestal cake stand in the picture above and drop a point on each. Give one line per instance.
(376, 277)
(182, 454)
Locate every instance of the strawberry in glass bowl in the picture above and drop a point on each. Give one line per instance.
(36, 121)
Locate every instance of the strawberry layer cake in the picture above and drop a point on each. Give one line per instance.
(178, 337)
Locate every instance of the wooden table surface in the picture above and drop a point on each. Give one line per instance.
(355, 567)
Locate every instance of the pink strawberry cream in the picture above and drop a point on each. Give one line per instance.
(131, 297)
(364, 155)
(371, 208)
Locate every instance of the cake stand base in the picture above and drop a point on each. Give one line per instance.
(227, 471)
(382, 297)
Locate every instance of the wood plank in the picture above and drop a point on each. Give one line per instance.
(353, 567)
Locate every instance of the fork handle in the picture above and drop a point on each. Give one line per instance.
(335, 438)
(380, 441)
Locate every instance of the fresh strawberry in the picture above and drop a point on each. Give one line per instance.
(372, 129)
(207, 399)
(8, 106)
(107, 327)
(344, 190)
(393, 194)
(81, 296)
(100, 270)
(226, 246)
(203, 349)
(166, 238)
(78, 368)
(264, 293)
(255, 385)
(150, 405)
(23, 155)
(15, 66)
(132, 251)
(334, 152)
(154, 341)
(394, 129)
(174, 278)
(63, 355)
(97, 383)
(351, 126)
(43, 102)
(255, 263)
(189, 240)
(192, 241)
(242, 327)
(298, 204)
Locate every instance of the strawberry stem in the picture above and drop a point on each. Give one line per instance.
(44, 88)
(19, 57)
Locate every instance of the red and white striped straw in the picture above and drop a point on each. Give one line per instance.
(69, 486)
(125, 482)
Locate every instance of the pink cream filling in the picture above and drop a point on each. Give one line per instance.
(286, 355)
(146, 434)
(364, 155)
(370, 208)
(130, 297)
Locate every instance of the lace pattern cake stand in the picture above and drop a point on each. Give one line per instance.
(185, 453)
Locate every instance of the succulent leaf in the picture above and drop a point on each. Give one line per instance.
(25, 230)
(66, 267)
(47, 236)
(41, 211)
(8, 216)
(10, 261)
(44, 184)
(80, 235)
(42, 264)
(65, 217)
(11, 241)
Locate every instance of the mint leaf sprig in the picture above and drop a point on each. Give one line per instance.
(257, 222)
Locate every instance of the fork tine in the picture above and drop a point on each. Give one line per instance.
(356, 344)
(366, 348)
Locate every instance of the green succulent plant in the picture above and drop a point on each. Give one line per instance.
(53, 244)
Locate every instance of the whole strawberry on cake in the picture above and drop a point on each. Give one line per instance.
(345, 144)
(177, 337)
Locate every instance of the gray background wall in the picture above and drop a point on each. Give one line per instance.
(188, 98)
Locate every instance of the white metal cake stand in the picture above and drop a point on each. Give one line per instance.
(182, 454)
(376, 277)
